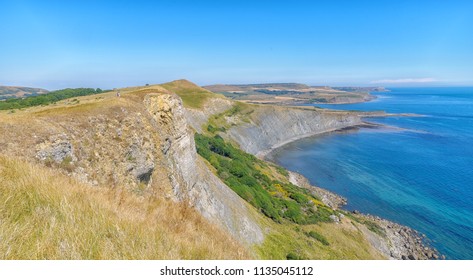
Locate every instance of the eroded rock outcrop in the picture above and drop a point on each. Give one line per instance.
(142, 142)
(58, 149)
(140, 164)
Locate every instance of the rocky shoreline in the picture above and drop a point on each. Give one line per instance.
(401, 242)
(393, 240)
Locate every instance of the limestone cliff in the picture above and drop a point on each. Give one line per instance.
(269, 127)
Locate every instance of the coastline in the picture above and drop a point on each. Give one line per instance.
(399, 242)
(265, 153)
(362, 124)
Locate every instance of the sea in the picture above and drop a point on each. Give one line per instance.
(414, 170)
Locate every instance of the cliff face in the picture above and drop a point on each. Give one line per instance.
(190, 177)
(140, 142)
(271, 127)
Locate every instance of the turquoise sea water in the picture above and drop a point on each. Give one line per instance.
(420, 176)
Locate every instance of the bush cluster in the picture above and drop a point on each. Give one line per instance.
(319, 237)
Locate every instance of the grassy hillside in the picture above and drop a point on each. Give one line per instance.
(323, 241)
(46, 215)
(191, 94)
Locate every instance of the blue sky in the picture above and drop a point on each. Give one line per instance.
(57, 44)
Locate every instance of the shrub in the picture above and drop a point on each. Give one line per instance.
(317, 236)
(300, 198)
(374, 227)
(293, 256)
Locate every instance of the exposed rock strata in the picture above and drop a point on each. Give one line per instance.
(273, 126)
(58, 150)
(132, 145)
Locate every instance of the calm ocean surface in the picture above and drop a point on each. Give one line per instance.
(420, 176)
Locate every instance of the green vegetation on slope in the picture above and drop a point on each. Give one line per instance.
(323, 241)
(372, 226)
(48, 98)
(191, 94)
(275, 199)
(219, 122)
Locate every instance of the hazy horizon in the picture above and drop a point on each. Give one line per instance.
(54, 44)
(85, 85)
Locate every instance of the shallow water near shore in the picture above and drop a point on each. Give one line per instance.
(420, 176)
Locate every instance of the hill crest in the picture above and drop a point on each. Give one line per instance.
(18, 91)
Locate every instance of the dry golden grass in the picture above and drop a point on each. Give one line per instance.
(47, 215)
